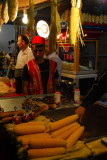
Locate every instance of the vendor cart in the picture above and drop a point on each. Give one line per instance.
(95, 126)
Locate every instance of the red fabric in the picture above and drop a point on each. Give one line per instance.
(52, 68)
(8, 84)
(35, 82)
(38, 40)
(12, 95)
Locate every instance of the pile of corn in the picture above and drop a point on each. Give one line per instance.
(53, 139)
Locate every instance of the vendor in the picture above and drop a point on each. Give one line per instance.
(40, 75)
(98, 89)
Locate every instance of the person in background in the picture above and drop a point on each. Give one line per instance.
(39, 75)
(23, 57)
(12, 47)
(53, 56)
(98, 89)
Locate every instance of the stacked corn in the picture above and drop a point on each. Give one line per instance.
(49, 140)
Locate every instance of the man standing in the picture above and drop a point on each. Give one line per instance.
(23, 57)
(39, 75)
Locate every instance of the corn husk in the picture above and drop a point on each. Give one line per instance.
(30, 25)
(58, 23)
(105, 19)
(66, 15)
(76, 30)
(4, 11)
(101, 19)
(1, 20)
(93, 19)
(12, 9)
(97, 19)
(53, 27)
(89, 18)
(82, 17)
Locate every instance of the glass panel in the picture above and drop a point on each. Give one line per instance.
(87, 56)
(66, 53)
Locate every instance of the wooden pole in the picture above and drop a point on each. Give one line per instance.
(96, 56)
(76, 57)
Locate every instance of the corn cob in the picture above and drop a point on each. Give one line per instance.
(1, 20)
(4, 12)
(30, 25)
(63, 122)
(72, 139)
(46, 143)
(12, 9)
(45, 152)
(55, 28)
(75, 22)
(58, 23)
(58, 132)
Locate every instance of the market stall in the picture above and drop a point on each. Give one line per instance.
(88, 146)
(35, 128)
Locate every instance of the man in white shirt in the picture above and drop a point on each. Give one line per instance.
(55, 57)
(23, 57)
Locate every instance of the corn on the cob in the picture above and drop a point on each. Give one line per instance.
(67, 133)
(63, 122)
(1, 20)
(58, 22)
(30, 25)
(53, 28)
(4, 12)
(19, 130)
(72, 139)
(75, 22)
(47, 143)
(45, 152)
(62, 130)
(25, 139)
(12, 9)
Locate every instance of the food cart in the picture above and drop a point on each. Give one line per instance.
(85, 148)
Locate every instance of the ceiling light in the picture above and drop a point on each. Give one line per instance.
(25, 20)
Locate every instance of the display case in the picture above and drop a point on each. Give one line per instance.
(79, 63)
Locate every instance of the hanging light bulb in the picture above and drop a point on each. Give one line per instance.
(25, 20)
